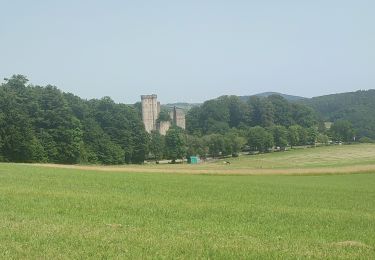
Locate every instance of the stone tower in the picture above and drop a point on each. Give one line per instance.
(150, 111)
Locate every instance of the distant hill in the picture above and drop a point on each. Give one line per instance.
(183, 105)
(266, 94)
(357, 107)
(187, 106)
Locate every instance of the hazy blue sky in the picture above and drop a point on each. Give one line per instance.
(190, 50)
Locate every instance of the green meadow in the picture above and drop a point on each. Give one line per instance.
(80, 213)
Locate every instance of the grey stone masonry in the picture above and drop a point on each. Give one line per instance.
(151, 111)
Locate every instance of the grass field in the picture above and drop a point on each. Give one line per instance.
(122, 212)
(326, 159)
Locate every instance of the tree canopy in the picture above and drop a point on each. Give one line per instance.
(221, 114)
(43, 124)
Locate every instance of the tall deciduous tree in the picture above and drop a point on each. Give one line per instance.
(294, 135)
(342, 130)
(280, 136)
(259, 139)
(216, 145)
(175, 144)
(235, 142)
(157, 145)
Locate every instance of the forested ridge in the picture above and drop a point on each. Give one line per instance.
(356, 107)
(44, 124)
(230, 124)
(226, 112)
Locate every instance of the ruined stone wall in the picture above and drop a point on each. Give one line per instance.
(178, 117)
(158, 108)
(163, 127)
(171, 114)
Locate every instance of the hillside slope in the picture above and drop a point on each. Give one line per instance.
(267, 94)
(357, 107)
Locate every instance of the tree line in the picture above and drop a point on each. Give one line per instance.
(43, 124)
(226, 112)
(178, 144)
(229, 125)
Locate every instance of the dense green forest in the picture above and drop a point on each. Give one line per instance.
(356, 107)
(44, 124)
(230, 124)
(226, 112)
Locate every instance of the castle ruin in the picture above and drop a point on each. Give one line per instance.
(150, 115)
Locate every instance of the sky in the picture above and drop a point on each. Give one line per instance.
(192, 50)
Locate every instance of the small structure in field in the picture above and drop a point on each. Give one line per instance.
(194, 159)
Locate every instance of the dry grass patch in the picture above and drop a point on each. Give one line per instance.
(321, 160)
(351, 244)
(223, 171)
